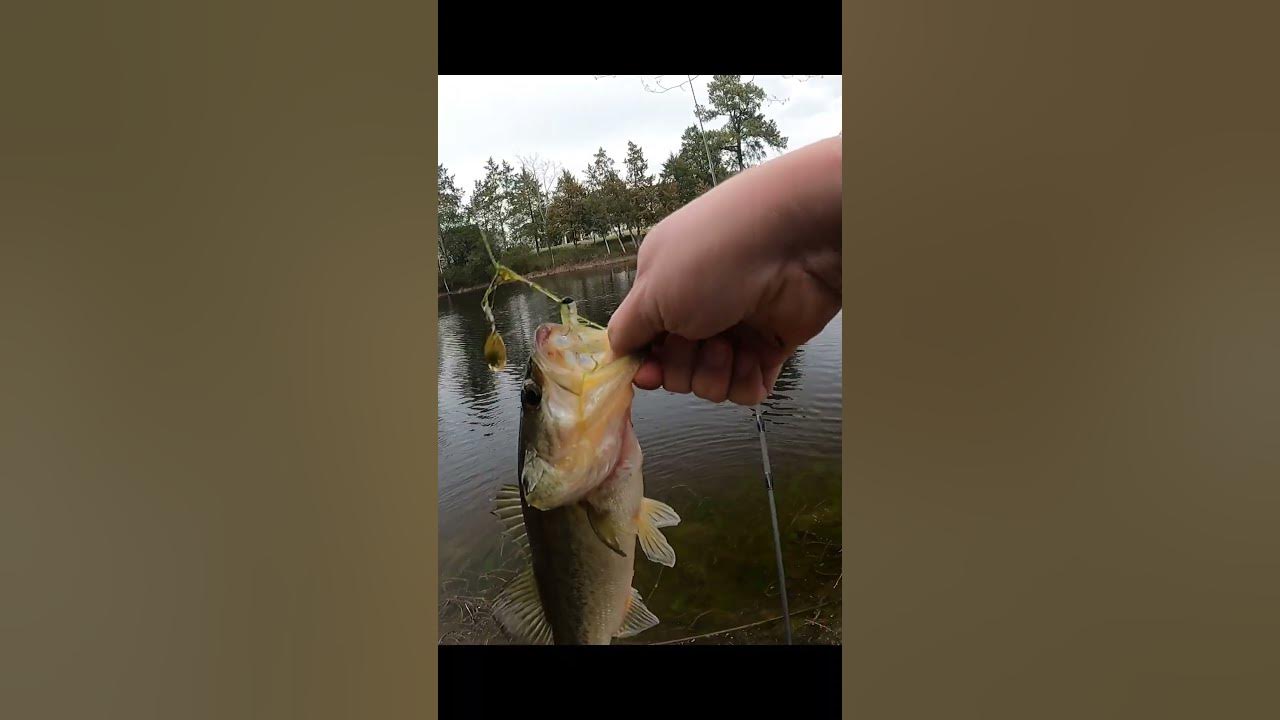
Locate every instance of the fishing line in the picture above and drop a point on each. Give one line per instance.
(764, 446)
(495, 349)
(773, 517)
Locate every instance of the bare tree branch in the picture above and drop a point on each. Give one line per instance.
(545, 171)
(657, 80)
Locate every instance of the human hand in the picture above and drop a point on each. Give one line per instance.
(730, 285)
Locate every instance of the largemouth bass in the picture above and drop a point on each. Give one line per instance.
(578, 510)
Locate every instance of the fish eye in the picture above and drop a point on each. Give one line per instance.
(531, 394)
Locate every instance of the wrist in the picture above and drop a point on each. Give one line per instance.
(813, 218)
(802, 229)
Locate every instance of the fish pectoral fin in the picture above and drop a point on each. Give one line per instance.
(608, 526)
(638, 618)
(507, 508)
(654, 515)
(658, 513)
(532, 471)
(519, 611)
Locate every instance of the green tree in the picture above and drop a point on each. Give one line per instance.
(606, 194)
(450, 198)
(640, 191)
(693, 153)
(567, 211)
(534, 202)
(525, 219)
(514, 219)
(637, 167)
(686, 174)
(666, 199)
(458, 238)
(464, 245)
(746, 131)
(486, 207)
(619, 204)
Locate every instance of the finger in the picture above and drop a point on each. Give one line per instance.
(771, 362)
(635, 323)
(769, 377)
(747, 386)
(649, 376)
(678, 356)
(713, 370)
(756, 373)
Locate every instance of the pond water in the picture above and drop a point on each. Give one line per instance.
(700, 458)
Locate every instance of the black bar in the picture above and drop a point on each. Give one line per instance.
(674, 681)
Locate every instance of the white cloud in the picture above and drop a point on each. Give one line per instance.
(565, 118)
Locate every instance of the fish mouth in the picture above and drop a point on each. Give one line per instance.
(579, 358)
(582, 412)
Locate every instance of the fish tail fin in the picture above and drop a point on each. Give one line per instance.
(655, 515)
(638, 618)
(519, 611)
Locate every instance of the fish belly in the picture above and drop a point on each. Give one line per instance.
(584, 585)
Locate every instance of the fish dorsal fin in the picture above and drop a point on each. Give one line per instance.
(654, 515)
(507, 508)
(519, 611)
(638, 618)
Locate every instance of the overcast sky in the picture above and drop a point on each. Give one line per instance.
(566, 118)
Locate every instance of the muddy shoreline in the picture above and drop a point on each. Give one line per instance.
(469, 621)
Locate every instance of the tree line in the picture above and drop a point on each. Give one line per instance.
(535, 208)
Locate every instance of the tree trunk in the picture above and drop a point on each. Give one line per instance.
(737, 131)
(444, 279)
(546, 229)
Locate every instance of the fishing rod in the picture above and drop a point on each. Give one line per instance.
(755, 412)
(773, 517)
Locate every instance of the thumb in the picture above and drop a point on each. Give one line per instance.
(635, 323)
